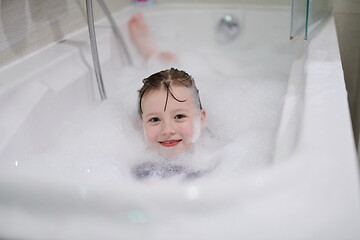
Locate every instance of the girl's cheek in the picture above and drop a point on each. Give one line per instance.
(152, 133)
(195, 130)
(147, 134)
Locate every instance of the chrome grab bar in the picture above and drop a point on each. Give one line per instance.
(95, 56)
(116, 31)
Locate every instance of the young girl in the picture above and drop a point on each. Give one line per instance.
(171, 112)
(172, 119)
(169, 107)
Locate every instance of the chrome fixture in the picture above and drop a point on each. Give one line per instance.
(116, 31)
(95, 56)
(228, 29)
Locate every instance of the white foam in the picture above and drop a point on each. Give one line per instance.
(243, 111)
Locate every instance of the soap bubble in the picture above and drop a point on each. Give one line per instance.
(107, 141)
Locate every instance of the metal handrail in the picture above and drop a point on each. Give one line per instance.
(116, 30)
(95, 56)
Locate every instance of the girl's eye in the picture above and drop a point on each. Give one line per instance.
(179, 116)
(154, 119)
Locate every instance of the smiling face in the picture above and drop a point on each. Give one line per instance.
(174, 129)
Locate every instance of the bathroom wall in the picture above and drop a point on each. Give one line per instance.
(28, 25)
(347, 18)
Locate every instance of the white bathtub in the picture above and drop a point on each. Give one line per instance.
(310, 191)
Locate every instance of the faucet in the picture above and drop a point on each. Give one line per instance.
(227, 29)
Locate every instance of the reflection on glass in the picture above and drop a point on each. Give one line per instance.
(298, 17)
(307, 15)
(317, 12)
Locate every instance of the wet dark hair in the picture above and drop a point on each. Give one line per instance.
(165, 79)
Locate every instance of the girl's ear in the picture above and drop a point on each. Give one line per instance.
(203, 119)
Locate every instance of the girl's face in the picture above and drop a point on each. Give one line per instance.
(174, 130)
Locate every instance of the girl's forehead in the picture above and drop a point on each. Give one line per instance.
(156, 98)
(180, 92)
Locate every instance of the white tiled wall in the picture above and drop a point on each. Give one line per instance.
(27, 25)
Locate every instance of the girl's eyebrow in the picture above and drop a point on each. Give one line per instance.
(180, 110)
(159, 113)
(151, 114)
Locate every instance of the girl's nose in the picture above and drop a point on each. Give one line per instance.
(167, 128)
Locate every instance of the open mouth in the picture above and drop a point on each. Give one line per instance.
(170, 143)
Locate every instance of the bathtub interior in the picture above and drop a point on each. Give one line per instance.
(43, 97)
(67, 85)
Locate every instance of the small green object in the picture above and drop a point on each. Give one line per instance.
(137, 216)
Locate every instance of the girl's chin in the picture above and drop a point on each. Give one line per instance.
(170, 152)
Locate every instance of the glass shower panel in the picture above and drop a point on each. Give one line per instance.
(317, 12)
(307, 15)
(298, 17)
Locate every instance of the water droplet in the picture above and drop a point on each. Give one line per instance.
(137, 216)
(193, 193)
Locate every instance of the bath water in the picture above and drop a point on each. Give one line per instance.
(242, 97)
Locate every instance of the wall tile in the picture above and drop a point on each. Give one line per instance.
(28, 25)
